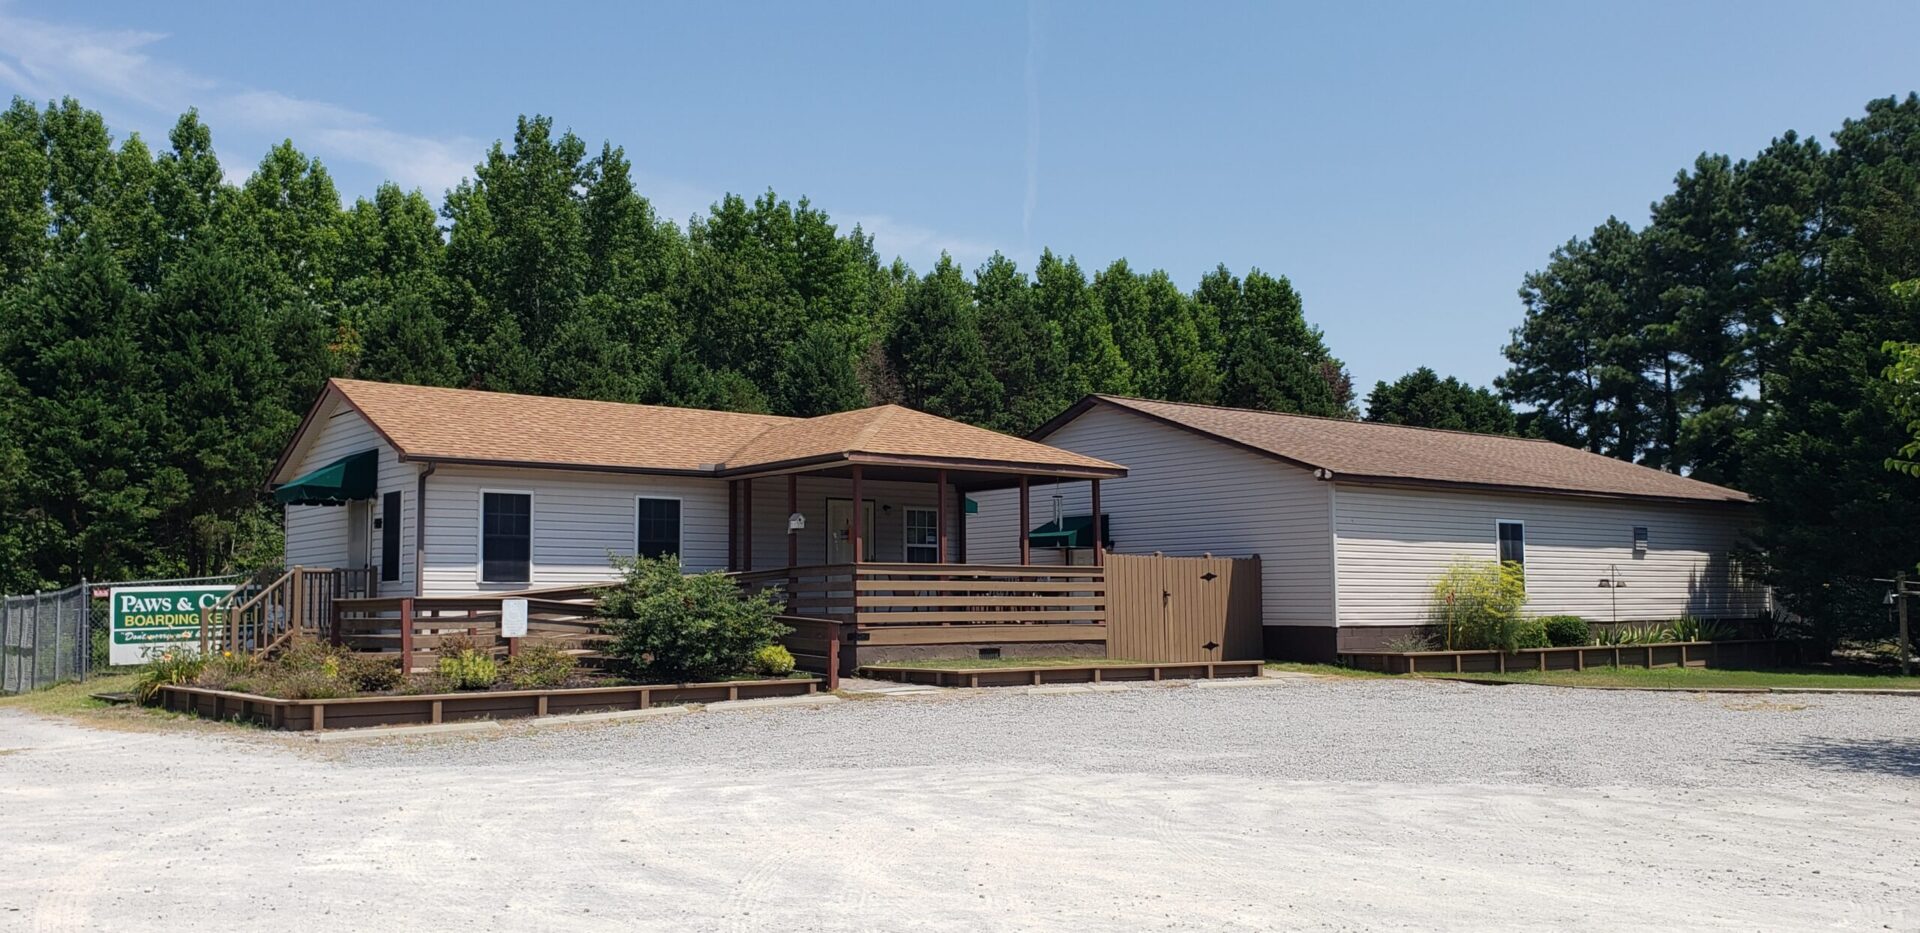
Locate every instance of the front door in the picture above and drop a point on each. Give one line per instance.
(840, 531)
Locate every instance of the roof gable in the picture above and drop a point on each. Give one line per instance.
(1361, 451)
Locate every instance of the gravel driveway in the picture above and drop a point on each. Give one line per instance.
(1304, 804)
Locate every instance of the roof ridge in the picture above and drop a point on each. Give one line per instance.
(1295, 414)
(345, 382)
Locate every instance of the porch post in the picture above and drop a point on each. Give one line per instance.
(1026, 547)
(1099, 549)
(793, 505)
(940, 517)
(746, 534)
(859, 508)
(733, 524)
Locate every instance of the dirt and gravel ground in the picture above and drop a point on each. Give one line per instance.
(1299, 804)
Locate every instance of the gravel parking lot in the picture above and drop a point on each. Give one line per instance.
(1299, 804)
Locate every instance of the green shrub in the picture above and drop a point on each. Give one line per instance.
(369, 674)
(1531, 633)
(174, 667)
(773, 661)
(1477, 603)
(1567, 631)
(468, 669)
(539, 665)
(673, 627)
(1688, 628)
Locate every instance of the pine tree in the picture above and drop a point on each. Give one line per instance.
(936, 348)
(1422, 399)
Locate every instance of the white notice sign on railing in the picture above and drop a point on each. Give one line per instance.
(513, 618)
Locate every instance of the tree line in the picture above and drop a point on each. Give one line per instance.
(1749, 334)
(162, 330)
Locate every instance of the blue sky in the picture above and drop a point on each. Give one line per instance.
(1403, 165)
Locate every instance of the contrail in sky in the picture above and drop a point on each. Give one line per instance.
(1033, 122)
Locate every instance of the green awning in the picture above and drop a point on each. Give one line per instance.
(971, 507)
(1072, 531)
(350, 477)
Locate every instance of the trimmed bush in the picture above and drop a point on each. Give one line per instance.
(468, 669)
(539, 665)
(1477, 603)
(773, 661)
(1567, 631)
(670, 627)
(1531, 633)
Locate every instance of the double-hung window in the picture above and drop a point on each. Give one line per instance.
(658, 532)
(923, 536)
(506, 537)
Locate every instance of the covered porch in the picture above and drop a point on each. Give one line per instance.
(889, 579)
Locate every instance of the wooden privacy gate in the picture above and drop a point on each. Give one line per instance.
(1183, 608)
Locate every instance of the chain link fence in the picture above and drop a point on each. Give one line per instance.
(60, 635)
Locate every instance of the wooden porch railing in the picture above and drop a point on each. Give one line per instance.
(936, 604)
(271, 607)
(411, 629)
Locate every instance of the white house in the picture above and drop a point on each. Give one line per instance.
(447, 492)
(1353, 520)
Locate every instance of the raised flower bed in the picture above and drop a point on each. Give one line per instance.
(1735, 653)
(394, 710)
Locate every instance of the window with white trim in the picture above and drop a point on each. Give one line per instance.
(923, 536)
(506, 537)
(1513, 543)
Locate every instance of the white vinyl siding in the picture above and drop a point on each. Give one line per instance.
(317, 534)
(579, 519)
(1394, 542)
(1184, 495)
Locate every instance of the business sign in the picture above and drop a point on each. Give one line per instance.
(146, 620)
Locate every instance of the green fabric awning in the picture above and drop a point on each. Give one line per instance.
(1072, 531)
(971, 507)
(350, 477)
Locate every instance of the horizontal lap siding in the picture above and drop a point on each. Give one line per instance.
(317, 534)
(890, 500)
(578, 518)
(1394, 543)
(1185, 495)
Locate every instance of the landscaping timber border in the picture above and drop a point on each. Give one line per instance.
(1093, 672)
(1741, 653)
(357, 712)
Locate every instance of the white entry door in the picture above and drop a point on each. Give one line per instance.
(359, 533)
(840, 531)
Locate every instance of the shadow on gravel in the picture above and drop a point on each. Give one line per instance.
(1883, 756)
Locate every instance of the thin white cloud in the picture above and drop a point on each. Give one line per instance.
(45, 60)
(919, 245)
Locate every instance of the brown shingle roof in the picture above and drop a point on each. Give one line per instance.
(896, 432)
(426, 423)
(1366, 451)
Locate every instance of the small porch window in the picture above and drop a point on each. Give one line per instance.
(923, 536)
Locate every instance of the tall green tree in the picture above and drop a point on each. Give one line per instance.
(935, 345)
(1422, 399)
(1273, 359)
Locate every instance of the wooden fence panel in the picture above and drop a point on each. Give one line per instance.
(1183, 608)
